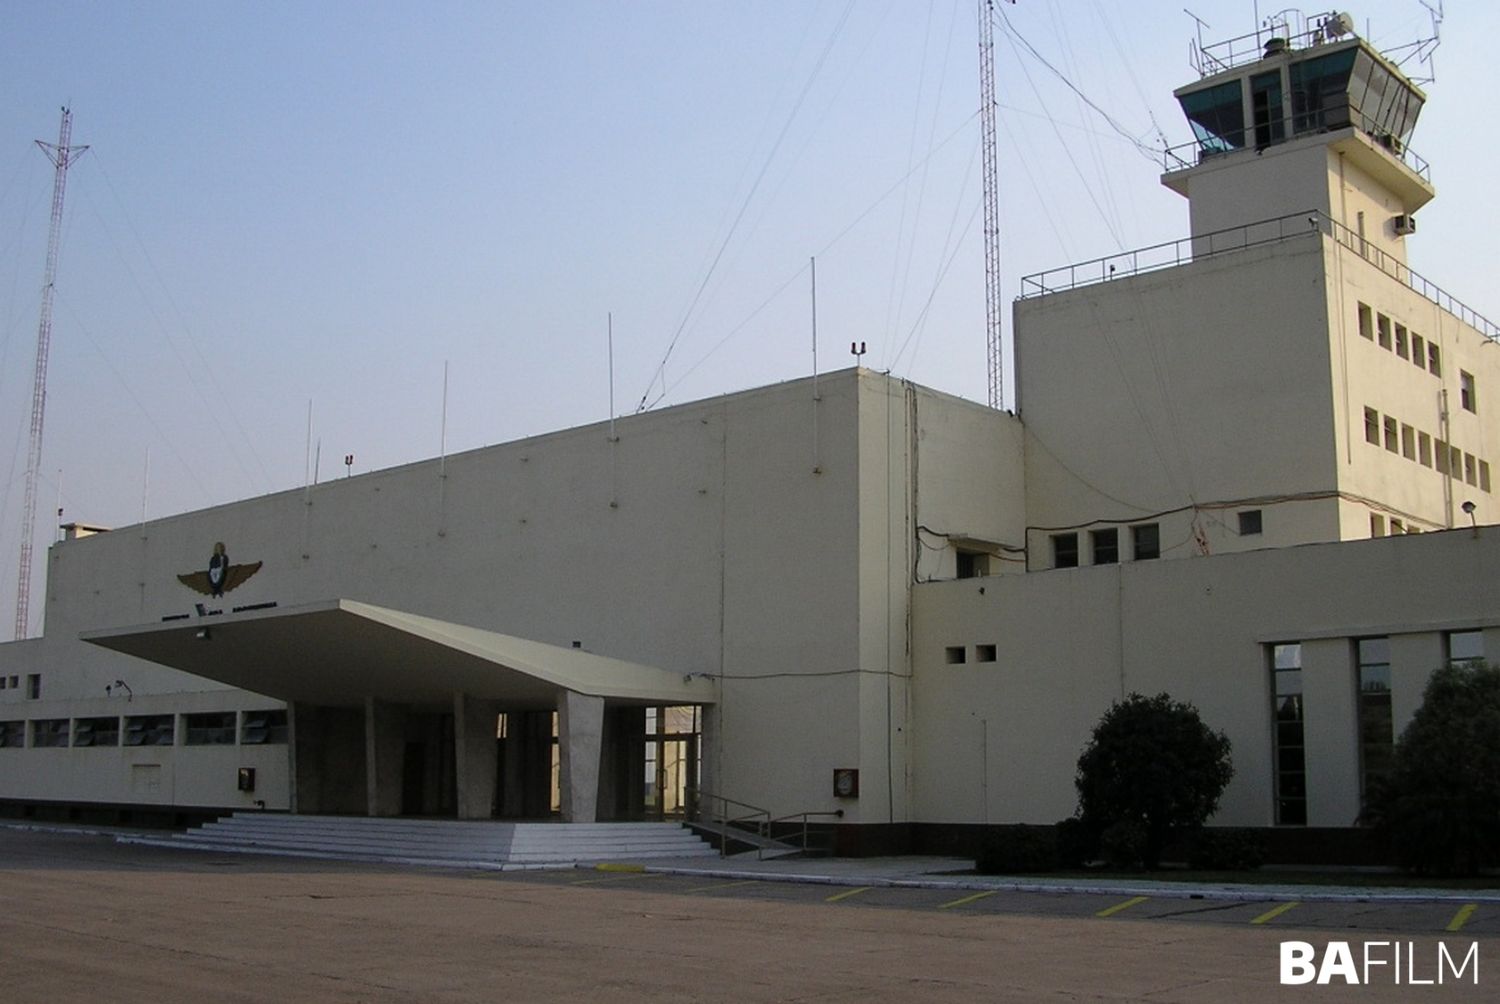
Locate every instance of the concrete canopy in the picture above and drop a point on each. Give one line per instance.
(339, 652)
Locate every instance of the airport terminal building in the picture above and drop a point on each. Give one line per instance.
(1252, 469)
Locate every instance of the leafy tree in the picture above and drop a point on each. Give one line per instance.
(1441, 802)
(1152, 766)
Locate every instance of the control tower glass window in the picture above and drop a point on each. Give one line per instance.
(1265, 104)
(1217, 115)
(1320, 91)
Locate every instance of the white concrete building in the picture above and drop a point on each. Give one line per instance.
(861, 595)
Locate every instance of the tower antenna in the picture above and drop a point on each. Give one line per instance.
(992, 308)
(62, 156)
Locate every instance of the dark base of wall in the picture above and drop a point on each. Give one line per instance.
(1348, 847)
(157, 817)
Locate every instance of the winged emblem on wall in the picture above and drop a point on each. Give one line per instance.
(220, 577)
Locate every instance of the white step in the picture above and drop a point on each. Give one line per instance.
(437, 842)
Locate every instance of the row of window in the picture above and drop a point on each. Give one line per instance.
(1413, 444)
(1394, 336)
(1104, 545)
(1376, 729)
(33, 685)
(210, 728)
(957, 655)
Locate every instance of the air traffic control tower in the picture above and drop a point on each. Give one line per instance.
(1281, 376)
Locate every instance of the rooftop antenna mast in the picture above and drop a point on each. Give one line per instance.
(992, 306)
(62, 156)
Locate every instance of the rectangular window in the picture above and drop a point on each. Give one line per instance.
(1366, 322)
(1424, 449)
(1455, 460)
(96, 732)
(984, 653)
(1471, 472)
(1408, 442)
(259, 727)
(210, 728)
(1376, 734)
(1065, 550)
(1289, 764)
(1145, 541)
(1372, 426)
(49, 732)
(1397, 527)
(1484, 475)
(1440, 457)
(1401, 340)
(149, 730)
(13, 734)
(955, 655)
(1250, 523)
(1434, 360)
(1377, 525)
(1466, 396)
(2, 683)
(1464, 647)
(972, 564)
(1418, 351)
(1106, 545)
(1391, 442)
(1383, 330)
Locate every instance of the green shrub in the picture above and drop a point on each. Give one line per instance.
(1123, 844)
(1154, 765)
(1077, 843)
(1014, 850)
(1227, 850)
(1441, 802)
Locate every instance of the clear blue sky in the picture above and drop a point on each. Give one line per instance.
(326, 201)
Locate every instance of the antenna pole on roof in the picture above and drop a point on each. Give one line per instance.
(992, 305)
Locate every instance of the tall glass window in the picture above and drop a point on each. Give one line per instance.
(1290, 761)
(1265, 105)
(1217, 117)
(1376, 732)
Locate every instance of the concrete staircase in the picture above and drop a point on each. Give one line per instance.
(437, 842)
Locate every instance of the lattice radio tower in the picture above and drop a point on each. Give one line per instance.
(992, 305)
(61, 155)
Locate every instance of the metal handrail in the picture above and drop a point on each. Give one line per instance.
(1281, 228)
(757, 815)
(1324, 120)
(837, 813)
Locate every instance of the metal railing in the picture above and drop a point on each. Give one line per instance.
(1198, 151)
(751, 823)
(1282, 228)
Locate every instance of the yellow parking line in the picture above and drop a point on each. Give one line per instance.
(846, 894)
(1110, 911)
(625, 877)
(618, 866)
(721, 885)
(967, 899)
(1274, 912)
(1462, 916)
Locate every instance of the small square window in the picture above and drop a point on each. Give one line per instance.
(1146, 541)
(1397, 527)
(1065, 550)
(1250, 523)
(1401, 340)
(984, 653)
(1372, 426)
(1424, 449)
(2, 683)
(1434, 360)
(1106, 545)
(1391, 442)
(972, 564)
(1366, 322)
(1418, 351)
(1466, 396)
(1377, 525)
(1465, 647)
(955, 655)
(1383, 330)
